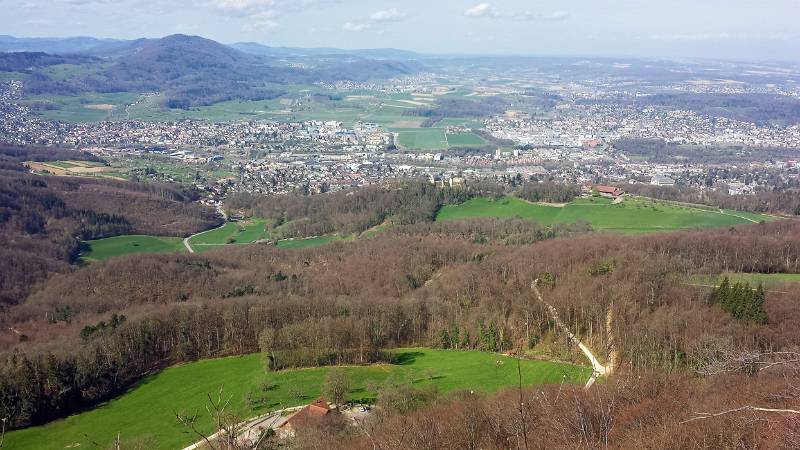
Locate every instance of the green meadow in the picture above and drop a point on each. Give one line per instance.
(100, 249)
(464, 140)
(769, 280)
(244, 232)
(422, 138)
(633, 215)
(148, 409)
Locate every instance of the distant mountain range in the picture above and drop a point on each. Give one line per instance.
(118, 47)
(190, 70)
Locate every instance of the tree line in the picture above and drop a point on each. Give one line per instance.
(345, 302)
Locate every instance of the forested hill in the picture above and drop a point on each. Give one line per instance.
(192, 71)
(434, 288)
(30, 61)
(44, 219)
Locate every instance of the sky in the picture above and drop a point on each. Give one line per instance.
(725, 29)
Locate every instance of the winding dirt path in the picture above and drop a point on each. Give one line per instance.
(598, 369)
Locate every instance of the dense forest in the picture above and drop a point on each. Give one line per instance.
(401, 203)
(44, 219)
(348, 296)
(549, 192)
(72, 337)
(26, 62)
(353, 211)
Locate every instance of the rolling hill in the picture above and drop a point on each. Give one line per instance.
(188, 71)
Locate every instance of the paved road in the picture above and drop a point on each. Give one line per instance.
(186, 240)
(252, 428)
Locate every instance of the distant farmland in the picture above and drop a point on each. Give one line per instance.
(634, 215)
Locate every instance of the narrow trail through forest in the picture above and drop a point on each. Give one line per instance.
(598, 369)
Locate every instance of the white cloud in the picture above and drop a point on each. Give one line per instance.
(261, 15)
(273, 8)
(387, 15)
(378, 17)
(481, 10)
(246, 6)
(356, 27)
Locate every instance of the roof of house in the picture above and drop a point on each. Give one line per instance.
(320, 408)
(608, 189)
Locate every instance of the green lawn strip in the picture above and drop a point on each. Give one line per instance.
(421, 138)
(464, 139)
(634, 215)
(149, 408)
(100, 249)
(767, 279)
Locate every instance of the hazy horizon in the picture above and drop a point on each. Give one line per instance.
(737, 29)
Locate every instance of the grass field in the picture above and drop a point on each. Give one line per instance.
(73, 168)
(100, 249)
(149, 408)
(634, 215)
(464, 140)
(91, 107)
(244, 232)
(767, 279)
(422, 138)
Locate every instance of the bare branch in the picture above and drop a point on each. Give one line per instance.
(705, 415)
(189, 422)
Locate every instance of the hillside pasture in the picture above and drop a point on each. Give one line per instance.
(633, 215)
(100, 249)
(244, 232)
(148, 409)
